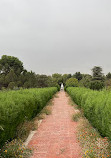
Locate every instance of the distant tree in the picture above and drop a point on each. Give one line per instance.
(108, 76)
(42, 80)
(57, 78)
(97, 73)
(12, 85)
(78, 76)
(23, 77)
(2, 81)
(108, 81)
(27, 84)
(52, 83)
(19, 83)
(69, 75)
(108, 84)
(97, 82)
(8, 63)
(29, 80)
(96, 85)
(85, 81)
(72, 82)
(10, 77)
(65, 77)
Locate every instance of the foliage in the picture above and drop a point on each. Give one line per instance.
(108, 84)
(78, 76)
(15, 149)
(85, 81)
(11, 85)
(57, 78)
(97, 73)
(72, 82)
(96, 106)
(76, 116)
(2, 80)
(65, 77)
(13, 74)
(42, 81)
(10, 77)
(9, 62)
(108, 76)
(93, 145)
(29, 80)
(97, 82)
(18, 106)
(96, 85)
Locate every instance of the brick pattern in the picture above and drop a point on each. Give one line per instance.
(56, 136)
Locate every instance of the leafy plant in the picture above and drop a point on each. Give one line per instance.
(76, 116)
(15, 149)
(96, 85)
(96, 106)
(93, 145)
(18, 106)
(72, 82)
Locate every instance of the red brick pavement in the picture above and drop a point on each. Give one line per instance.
(56, 136)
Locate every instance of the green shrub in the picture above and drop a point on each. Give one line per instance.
(58, 87)
(72, 82)
(108, 84)
(11, 85)
(18, 106)
(96, 106)
(76, 116)
(96, 85)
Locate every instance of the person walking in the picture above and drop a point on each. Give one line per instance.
(62, 86)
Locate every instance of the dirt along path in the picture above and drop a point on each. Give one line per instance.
(56, 136)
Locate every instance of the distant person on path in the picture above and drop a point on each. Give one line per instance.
(62, 86)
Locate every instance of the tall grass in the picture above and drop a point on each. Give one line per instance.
(96, 106)
(18, 106)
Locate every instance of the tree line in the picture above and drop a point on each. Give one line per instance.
(13, 75)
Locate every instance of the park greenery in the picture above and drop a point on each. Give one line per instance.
(96, 106)
(31, 92)
(13, 75)
(18, 106)
(72, 82)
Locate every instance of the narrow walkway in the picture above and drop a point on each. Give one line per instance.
(56, 136)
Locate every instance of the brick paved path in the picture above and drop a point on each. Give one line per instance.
(56, 136)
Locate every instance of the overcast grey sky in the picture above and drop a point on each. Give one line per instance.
(61, 36)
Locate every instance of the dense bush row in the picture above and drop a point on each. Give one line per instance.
(17, 106)
(96, 106)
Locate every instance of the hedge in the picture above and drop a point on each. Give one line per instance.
(96, 106)
(18, 106)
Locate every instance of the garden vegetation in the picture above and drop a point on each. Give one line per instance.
(96, 106)
(19, 106)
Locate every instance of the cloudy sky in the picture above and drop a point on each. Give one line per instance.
(61, 36)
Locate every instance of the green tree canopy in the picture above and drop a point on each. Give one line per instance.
(42, 80)
(108, 84)
(65, 77)
(72, 82)
(57, 78)
(96, 85)
(97, 82)
(97, 73)
(85, 81)
(108, 76)
(29, 79)
(8, 63)
(10, 77)
(2, 80)
(78, 76)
